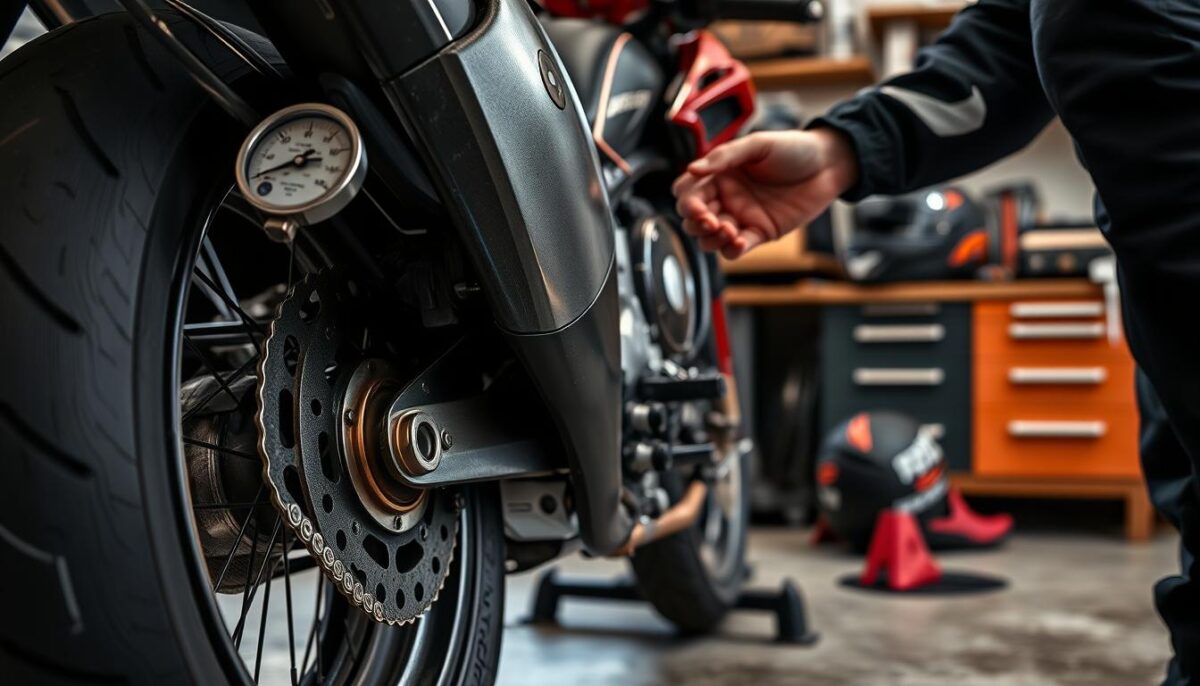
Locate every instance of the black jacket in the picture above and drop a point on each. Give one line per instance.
(973, 98)
(1124, 77)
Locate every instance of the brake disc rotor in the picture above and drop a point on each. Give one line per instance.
(391, 565)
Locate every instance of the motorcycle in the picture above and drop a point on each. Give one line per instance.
(363, 305)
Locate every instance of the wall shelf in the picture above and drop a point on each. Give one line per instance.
(798, 72)
(925, 16)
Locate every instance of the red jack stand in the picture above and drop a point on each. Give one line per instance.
(898, 548)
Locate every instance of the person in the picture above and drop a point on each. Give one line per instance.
(1124, 78)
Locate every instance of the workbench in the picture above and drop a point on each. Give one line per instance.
(1028, 381)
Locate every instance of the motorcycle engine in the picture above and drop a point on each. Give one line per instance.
(663, 286)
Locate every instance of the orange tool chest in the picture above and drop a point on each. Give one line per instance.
(1053, 394)
(1052, 407)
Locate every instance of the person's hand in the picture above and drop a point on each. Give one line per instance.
(757, 188)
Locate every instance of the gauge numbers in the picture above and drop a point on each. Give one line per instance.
(305, 162)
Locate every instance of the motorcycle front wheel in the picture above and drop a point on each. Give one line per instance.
(119, 226)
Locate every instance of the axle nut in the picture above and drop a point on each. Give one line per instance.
(416, 443)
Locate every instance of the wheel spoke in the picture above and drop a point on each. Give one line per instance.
(213, 296)
(253, 589)
(287, 585)
(206, 363)
(249, 321)
(247, 598)
(226, 506)
(312, 632)
(262, 627)
(219, 333)
(321, 653)
(217, 270)
(238, 539)
(220, 448)
(302, 564)
(209, 398)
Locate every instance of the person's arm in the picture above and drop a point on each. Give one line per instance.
(973, 98)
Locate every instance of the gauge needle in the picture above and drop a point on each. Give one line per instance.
(297, 161)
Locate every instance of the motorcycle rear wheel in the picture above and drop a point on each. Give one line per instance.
(115, 164)
(693, 578)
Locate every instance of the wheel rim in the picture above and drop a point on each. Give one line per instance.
(287, 624)
(722, 524)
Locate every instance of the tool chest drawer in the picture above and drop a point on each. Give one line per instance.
(913, 358)
(897, 334)
(1085, 382)
(1087, 440)
(1053, 393)
(1071, 333)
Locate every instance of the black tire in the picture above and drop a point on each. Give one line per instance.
(108, 155)
(673, 575)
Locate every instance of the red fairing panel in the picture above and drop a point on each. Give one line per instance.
(612, 11)
(716, 97)
(721, 334)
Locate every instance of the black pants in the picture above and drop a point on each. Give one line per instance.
(1173, 488)
(1124, 76)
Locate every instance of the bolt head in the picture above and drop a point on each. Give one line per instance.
(281, 230)
(423, 532)
(397, 523)
(447, 440)
(349, 416)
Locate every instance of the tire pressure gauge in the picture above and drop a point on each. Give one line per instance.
(301, 165)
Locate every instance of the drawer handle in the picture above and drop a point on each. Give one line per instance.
(1044, 310)
(900, 309)
(1056, 331)
(899, 377)
(1057, 375)
(1028, 428)
(900, 333)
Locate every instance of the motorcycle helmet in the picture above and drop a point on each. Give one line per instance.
(937, 233)
(880, 460)
(875, 461)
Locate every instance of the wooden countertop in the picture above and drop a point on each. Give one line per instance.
(786, 73)
(926, 16)
(821, 292)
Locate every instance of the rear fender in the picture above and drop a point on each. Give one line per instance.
(502, 131)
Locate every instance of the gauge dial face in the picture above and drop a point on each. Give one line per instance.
(305, 160)
(299, 161)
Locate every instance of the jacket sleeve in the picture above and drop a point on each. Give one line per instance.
(973, 97)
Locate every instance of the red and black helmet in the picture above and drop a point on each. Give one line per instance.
(938, 233)
(875, 461)
(880, 460)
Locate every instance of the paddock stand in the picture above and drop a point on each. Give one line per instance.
(791, 617)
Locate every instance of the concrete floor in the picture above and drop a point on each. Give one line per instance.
(1078, 611)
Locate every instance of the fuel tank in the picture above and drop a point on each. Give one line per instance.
(619, 82)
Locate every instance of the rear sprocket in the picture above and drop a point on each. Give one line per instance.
(388, 551)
